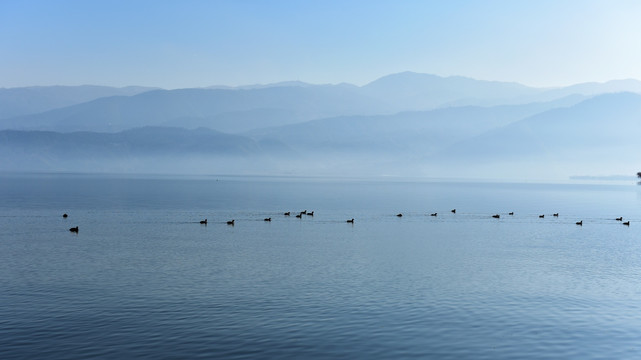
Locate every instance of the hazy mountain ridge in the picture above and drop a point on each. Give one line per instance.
(242, 109)
(150, 148)
(604, 120)
(213, 108)
(31, 100)
(595, 136)
(337, 129)
(147, 140)
(278, 84)
(414, 91)
(413, 133)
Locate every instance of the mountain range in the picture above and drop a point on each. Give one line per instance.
(402, 124)
(30, 100)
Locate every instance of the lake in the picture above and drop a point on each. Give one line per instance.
(143, 278)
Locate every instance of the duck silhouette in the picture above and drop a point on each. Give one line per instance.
(496, 216)
(580, 223)
(231, 222)
(204, 222)
(268, 219)
(351, 221)
(74, 229)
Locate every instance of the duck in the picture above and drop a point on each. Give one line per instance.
(287, 213)
(74, 229)
(555, 214)
(299, 215)
(399, 215)
(434, 214)
(65, 215)
(311, 213)
(351, 221)
(496, 216)
(627, 223)
(203, 222)
(231, 222)
(453, 211)
(541, 216)
(619, 218)
(580, 223)
(268, 219)
(511, 213)
(304, 212)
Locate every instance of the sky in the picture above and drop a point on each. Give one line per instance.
(190, 43)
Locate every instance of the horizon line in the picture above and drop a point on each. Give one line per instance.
(304, 83)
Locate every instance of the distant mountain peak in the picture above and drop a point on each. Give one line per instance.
(417, 91)
(422, 77)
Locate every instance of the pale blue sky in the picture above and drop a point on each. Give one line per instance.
(188, 43)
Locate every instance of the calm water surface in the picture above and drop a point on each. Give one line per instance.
(143, 279)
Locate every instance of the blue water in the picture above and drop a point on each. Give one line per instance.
(143, 279)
